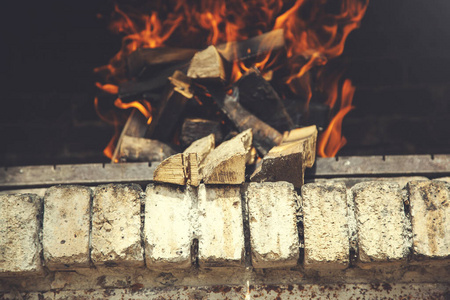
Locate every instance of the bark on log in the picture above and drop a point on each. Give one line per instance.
(288, 161)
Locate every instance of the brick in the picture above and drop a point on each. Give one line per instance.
(383, 228)
(430, 218)
(66, 227)
(19, 235)
(221, 232)
(168, 232)
(273, 224)
(325, 222)
(116, 225)
(446, 179)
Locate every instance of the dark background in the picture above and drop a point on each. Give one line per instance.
(399, 61)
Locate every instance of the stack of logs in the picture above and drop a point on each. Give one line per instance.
(196, 105)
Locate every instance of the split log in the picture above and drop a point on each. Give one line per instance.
(259, 97)
(195, 129)
(201, 147)
(264, 136)
(172, 106)
(307, 136)
(226, 163)
(264, 43)
(136, 126)
(288, 161)
(207, 64)
(152, 58)
(142, 149)
(178, 169)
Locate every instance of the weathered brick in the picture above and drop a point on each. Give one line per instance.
(19, 235)
(221, 232)
(66, 227)
(325, 222)
(168, 232)
(383, 228)
(430, 217)
(273, 224)
(116, 225)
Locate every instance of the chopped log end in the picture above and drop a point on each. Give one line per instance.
(226, 163)
(201, 148)
(178, 169)
(207, 64)
(307, 136)
(171, 170)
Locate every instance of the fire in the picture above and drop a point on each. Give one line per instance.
(314, 32)
(145, 107)
(331, 140)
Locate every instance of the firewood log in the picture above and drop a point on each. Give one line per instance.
(207, 64)
(288, 161)
(180, 169)
(226, 163)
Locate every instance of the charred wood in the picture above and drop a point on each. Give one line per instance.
(259, 97)
(171, 107)
(142, 149)
(288, 161)
(194, 129)
(252, 47)
(143, 59)
(136, 89)
(264, 136)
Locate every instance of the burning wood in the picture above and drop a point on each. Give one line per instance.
(207, 64)
(172, 106)
(153, 60)
(251, 106)
(223, 165)
(194, 129)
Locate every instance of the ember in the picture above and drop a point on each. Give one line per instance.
(261, 70)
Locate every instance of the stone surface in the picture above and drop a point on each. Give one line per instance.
(430, 217)
(66, 227)
(39, 191)
(273, 224)
(19, 235)
(383, 228)
(221, 232)
(168, 232)
(116, 225)
(446, 179)
(325, 222)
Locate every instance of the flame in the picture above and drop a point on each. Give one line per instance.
(145, 107)
(331, 140)
(313, 35)
(108, 88)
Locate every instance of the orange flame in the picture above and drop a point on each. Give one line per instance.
(145, 107)
(331, 140)
(313, 35)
